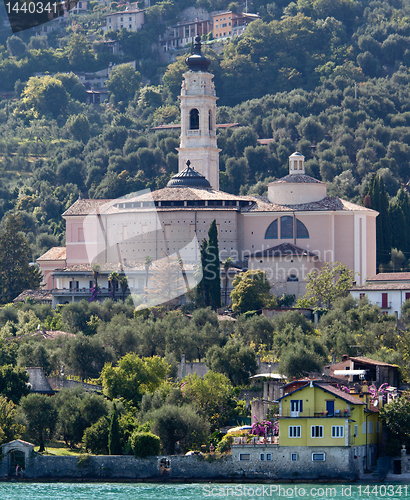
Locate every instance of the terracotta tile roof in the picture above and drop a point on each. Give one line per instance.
(84, 207)
(256, 203)
(283, 249)
(340, 394)
(390, 277)
(185, 193)
(90, 207)
(41, 295)
(55, 253)
(381, 286)
(298, 179)
(369, 361)
(326, 387)
(262, 204)
(263, 142)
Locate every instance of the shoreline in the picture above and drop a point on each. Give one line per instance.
(390, 478)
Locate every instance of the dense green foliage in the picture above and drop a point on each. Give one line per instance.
(145, 444)
(40, 414)
(329, 79)
(396, 417)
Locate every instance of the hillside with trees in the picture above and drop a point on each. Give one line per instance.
(344, 107)
(329, 79)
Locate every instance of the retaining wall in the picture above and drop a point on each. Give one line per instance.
(280, 467)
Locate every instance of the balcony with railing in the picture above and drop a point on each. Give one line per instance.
(384, 305)
(254, 441)
(315, 413)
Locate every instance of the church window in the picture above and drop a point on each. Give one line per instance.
(286, 227)
(210, 120)
(292, 277)
(194, 119)
(301, 230)
(272, 231)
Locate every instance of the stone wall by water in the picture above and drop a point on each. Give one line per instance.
(338, 465)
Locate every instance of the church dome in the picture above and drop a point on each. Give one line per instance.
(189, 178)
(197, 61)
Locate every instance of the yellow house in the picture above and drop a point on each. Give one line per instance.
(316, 414)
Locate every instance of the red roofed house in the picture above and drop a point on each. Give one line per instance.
(354, 369)
(389, 291)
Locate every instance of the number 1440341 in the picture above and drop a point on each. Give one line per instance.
(384, 490)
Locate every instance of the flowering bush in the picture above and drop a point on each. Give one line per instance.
(343, 388)
(94, 292)
(265, 428)
(375, 393)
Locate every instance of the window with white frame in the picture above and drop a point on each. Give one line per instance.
(244, 456)
(294, 457)
(318, 457)
(296, 405)
(268, 456)
(356, 431)
(295, 431)
(262, 457)
(337, 431)
(316, 431)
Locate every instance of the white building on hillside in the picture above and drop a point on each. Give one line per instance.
(389, 291)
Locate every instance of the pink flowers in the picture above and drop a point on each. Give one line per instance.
(375, 393)
(343, 388)
(265, 428)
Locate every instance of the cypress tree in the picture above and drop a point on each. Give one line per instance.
(379, 201)
(213, 269)
(114, 441)
(201, 295)
(385, 230)
(397, 227)
(403, 201)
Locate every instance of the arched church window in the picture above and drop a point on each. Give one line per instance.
(301, 230)
(272, 231)
(286, 227)
(194, 119)
(292, 277)
(210, 120)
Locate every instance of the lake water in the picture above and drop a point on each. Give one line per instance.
(197, 491)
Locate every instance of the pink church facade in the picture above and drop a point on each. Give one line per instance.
(292, 230)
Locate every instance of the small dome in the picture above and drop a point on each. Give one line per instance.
(197, 61)
(189, 178)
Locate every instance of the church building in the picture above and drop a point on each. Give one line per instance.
(289, 232)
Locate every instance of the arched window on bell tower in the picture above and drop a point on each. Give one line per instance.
(210, 120)
(194, 119)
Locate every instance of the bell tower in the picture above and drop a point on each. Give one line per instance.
(198, 118)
